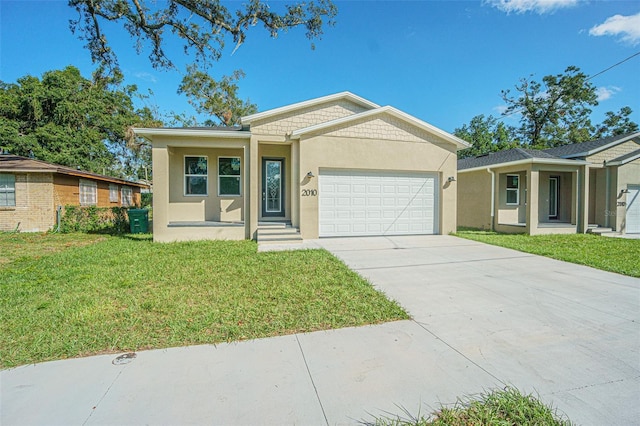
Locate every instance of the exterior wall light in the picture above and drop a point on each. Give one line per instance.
(451, 179)
(310, 175)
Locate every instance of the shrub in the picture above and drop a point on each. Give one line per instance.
(92, 219)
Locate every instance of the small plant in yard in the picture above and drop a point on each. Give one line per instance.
(609, 254)
(118, 294)
(108, 220)
(496, 408)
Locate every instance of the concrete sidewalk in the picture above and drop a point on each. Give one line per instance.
(483, 317)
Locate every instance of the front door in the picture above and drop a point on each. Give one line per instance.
(554, 186)
(273, 187)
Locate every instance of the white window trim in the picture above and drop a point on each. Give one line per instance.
(184, 176)
(129, 199)
(10, 190)
(239, 194)
(113, 193)
(91, 184)
(517, 191)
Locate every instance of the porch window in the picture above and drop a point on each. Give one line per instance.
(513, 190)
(127, 196)
(113, 193)
(195, 176)
(229, 176)
(7, 190)
(88, 193)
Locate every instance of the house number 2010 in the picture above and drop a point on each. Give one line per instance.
(309, 192)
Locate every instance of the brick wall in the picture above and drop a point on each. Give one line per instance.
(34, 210)
(300, 119)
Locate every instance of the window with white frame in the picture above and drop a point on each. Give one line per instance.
(127, 196)
(113, 193)
(195, 176)
(88, 193)
(7, 190)
(229, 176)
(513, 190)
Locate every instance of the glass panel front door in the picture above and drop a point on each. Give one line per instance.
(272, 187)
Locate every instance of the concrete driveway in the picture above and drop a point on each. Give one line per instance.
(483, 316)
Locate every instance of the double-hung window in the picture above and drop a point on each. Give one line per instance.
(229, 176)
(7, 190)
(195, 176)
(513, 190)
(113, 193)
(88, 193)
(127, 196)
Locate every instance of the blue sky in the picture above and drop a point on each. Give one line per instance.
(441, 61)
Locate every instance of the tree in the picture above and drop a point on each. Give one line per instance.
(554, 112)
(616, 124)
(218, 98)
(67, 119)
(486, 135)
(202, 25)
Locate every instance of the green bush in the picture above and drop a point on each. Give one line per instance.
(92, 219)
(146, 199)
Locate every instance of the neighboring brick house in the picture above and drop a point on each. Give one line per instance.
(31, 192)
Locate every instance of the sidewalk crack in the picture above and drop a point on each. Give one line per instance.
(94, 408)
(315, 389)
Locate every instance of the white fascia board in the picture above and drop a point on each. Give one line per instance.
(554, 161)
(197, 133)
(623, 162)
(305, 104)
(384, 110)
(603, 147)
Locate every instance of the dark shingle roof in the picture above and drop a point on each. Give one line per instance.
(514, 154)
(17, 163)
(581, 149)
(624, 158)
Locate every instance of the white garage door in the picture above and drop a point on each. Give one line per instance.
(633, 210)
(377, 203)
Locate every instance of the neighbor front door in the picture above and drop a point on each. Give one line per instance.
(273, 187)
(554, 189)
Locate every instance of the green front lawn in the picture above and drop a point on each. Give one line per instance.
(65, 296)
(609, 254)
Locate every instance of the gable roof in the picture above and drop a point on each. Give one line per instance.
(305, 104)
(512, 156)
(232, 132)
(624, 159)
(16, 163)
(385, 110)
(591, 147)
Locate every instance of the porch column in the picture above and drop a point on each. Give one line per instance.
(295, 184)
(254, 188)
(161, 178)
(582, 193)
(533, 193)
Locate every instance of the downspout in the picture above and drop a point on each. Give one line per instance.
(607, 194)
(580, 215)
(58, 218)
(493, 197)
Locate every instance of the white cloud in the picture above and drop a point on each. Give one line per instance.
(627, 27)
(605, 93)
(538, 6)
(146, 76)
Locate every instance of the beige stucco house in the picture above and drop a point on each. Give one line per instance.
(587, 187)
(338, 165)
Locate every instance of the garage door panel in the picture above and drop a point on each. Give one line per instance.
(632, 217)
(377, 203)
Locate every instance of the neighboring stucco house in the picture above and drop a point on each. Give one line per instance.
(591, 186)
(338, 165)
(31, 192)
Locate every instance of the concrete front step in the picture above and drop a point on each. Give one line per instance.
(278, 235)
(600, 230)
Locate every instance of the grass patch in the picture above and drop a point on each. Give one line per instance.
(104, 294)
(608, 254)
(497, 408)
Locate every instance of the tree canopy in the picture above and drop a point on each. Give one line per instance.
(554, 112)
(73, 121)
(202, 26)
